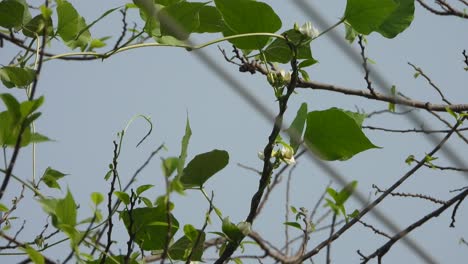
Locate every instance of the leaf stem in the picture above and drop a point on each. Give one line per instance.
(154, 44)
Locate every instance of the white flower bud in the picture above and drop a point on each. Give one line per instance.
(287, 154)
(261, 155)
(308, 30)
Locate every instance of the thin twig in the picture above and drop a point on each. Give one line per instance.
(413, 130)
(420, 72)
(332, 229)
(286, 209)
(110, 225)
(379, 253)
(459, 134)
(377, 231)
(419, 196)
(364, 65)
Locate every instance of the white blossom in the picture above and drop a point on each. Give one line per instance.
(308, 30)
(287, 154)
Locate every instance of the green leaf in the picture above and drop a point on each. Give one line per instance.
(182, 248)
(180, 19)
(97, 198)
(143, 188)
(399, 20)
(279, 50)
(304, 75)
(16, 76)
(293, 224)
(123, 196)
(68, 21)
(345, 193)
(34, 255)
(28, 107)
(169, 165)
(334, 135)
(366, 16)
(150, 226)
(350, 34)
(307, 63)
(358, 117)
(71, 26)
(12, 105)
(3, 208)
(451, 112)
(296, 129)
(232, 231)
(203, 166)
(410, 159)
(66, 210)
(38, 25)
(211, 20)
(246, 16)
(146, 201)
(190, 232)
(184, 147)
(51, 176)
(11, 14)
(148, 13)
(333, 193)
(16, 116)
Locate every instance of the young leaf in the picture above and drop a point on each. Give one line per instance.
(66, 210)
(232, 231)
(34, 255)
(345, 193)
(97, 198)
(184, 147)
(190, 232)
(169, 165)
(293, 224)
(296, 129)
(366, 16)
(39, 25)
(143, 188)
(123, 196)
(203, 166)
(334, 135)
(51, 176)
(16, 76)
(246, 16)
(3, 208)
(182, 248)
(304, 64)
(150, 226)
(350, 34)
(358, 117)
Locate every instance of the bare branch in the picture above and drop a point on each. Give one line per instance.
(379, 253)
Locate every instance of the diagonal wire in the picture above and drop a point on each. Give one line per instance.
(307, 9)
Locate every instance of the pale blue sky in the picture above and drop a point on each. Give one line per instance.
(87, 103)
